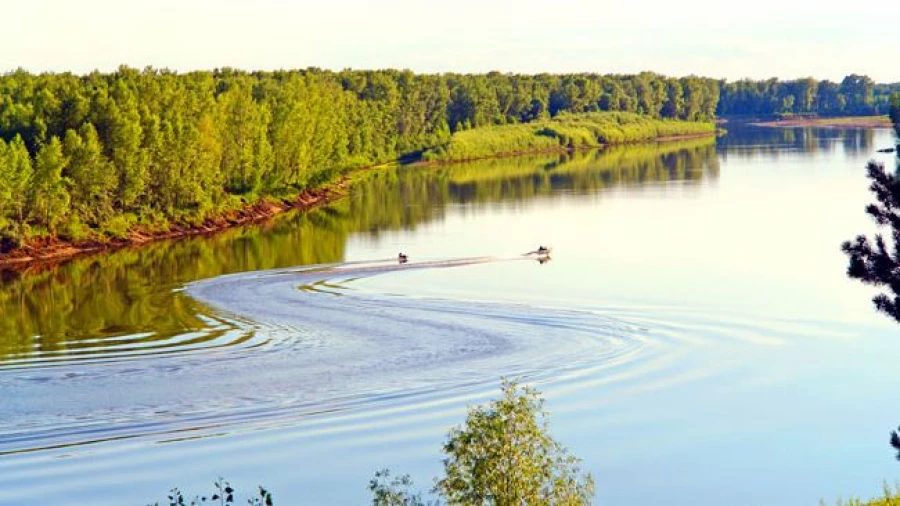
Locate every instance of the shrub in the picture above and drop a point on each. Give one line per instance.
(504, 455)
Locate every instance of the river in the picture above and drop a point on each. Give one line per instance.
(694, 333)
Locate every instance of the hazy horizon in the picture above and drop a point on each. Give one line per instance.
(773, 39)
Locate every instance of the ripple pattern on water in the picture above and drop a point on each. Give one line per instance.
(290, 344)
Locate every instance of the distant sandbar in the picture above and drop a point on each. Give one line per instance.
(836, 122)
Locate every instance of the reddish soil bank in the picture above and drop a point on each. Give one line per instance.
(51, 250)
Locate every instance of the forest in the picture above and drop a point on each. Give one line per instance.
(854, 95)
(96, 156)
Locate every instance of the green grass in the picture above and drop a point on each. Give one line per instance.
(567, 131)
(890, 497)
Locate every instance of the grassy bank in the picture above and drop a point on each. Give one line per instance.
(566, 131)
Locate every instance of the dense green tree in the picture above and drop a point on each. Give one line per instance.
(18, 173)
(49, 199)
(246, 152)
(858, 92)
(673, 106)
(90, 173)
(124, 145)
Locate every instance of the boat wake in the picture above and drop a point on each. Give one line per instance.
(304, 341)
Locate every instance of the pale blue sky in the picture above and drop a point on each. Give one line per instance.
(759, 39)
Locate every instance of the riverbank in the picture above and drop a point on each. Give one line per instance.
(49, 250)
(836, 122)
(560, 134)
(564, 132)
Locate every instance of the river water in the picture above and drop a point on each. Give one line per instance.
(694, 334)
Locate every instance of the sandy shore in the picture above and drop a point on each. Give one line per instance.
(840, 122)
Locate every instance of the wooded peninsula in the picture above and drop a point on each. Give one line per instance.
(105, 156)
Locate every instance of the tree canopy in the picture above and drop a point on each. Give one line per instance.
(99, 153)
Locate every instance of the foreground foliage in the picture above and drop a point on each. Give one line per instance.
(222, 495)
(877, 261)
(504, 455)
(889, 497)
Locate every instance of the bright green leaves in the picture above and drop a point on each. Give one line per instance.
(15, 180)
(49, 199)
(504, 455)
(93, 181)
(150, 147)
(246, 152)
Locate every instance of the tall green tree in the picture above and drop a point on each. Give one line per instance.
(90, 173)
(49, 197)
(18, 175)
(246, 152)
(124, 145)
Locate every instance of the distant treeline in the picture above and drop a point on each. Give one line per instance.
(97, 154)
(854, 95)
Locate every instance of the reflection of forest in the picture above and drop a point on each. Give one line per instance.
(84, 302)
(78, 307)
(409, 195)
(746, 141)
(584, 172)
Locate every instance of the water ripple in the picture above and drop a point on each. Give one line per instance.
(302, 344)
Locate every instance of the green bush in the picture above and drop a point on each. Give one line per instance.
(74, 230)
(118, 226)
(502, 455)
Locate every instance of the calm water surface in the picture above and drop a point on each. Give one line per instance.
(694, 334)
